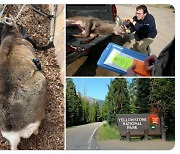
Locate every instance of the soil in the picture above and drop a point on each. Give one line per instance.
(51, 131)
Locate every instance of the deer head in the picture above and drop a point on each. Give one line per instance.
(119, 29)
(7, 26)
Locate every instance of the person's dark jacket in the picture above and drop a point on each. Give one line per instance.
(144, 28)
(165, 63)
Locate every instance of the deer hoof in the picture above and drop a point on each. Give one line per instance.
(36, 132)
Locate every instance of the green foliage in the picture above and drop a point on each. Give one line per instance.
(106, 132)
(142, 102)
(78, 110)
(116, 100)
(140, 97)
(73, 105)
(105, 108)
(163, 96)
(95, 113)
(85, 111)
(132, 95)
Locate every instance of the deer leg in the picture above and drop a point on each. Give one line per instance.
(36, 131)
(14, 143)
(82, 35)
(13, 138)
(92, 37)
(86, 30)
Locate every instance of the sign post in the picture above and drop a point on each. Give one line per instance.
(163, 132)
(140, 125)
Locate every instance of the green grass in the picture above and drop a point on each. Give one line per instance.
(106, 132)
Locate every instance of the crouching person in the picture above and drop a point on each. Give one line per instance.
(143, 23)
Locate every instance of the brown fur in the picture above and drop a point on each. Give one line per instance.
(22, 86)
(93, 27)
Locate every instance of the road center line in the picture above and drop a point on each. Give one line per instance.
(89, 142)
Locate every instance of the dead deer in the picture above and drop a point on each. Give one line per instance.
(93, 27)
(22, 85)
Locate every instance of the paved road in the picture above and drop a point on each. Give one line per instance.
(135, 145)
(165, 22)
(82, 137)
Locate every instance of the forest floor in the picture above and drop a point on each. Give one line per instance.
(51, 131)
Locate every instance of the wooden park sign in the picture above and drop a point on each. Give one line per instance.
(140, 125)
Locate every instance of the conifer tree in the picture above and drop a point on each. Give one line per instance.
(142, 102)
(163, 97)
(132, 89)
(117, 99)
(105, 109)
(73, 105)
(85, 111)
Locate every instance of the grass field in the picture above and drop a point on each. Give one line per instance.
(106, 132)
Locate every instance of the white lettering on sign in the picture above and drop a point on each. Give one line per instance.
(132, 123)
(131, 119)
(131, 127)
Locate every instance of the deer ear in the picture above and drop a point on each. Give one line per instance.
(12, 18)
(8, 21)
(5, 15)
(13, 22)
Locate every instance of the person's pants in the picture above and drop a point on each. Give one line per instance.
(143, 45)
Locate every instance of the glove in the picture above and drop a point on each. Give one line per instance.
(129, 20)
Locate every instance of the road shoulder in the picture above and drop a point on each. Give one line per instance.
(135, 145)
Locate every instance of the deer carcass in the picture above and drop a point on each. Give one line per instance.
(93, 27)
(22, 85)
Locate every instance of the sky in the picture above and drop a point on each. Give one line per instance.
(95, 87)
